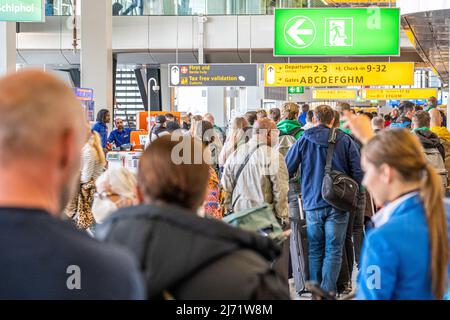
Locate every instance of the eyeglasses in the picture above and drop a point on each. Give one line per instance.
(105, 195)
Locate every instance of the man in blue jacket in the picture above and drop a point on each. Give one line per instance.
(326, 226)
(407, 111)
(120, 135)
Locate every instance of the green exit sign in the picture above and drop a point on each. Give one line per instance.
(294, 90)
(337, 32)
(22, 10)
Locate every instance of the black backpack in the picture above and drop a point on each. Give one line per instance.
(338, 189)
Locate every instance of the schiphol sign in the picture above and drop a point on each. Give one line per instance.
(337, 32)
(22, 10)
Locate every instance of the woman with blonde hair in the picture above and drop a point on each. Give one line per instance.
(261, 114)
(93, 164)
(406, 255)
(289, 124)
(236, 137)
(116, 189)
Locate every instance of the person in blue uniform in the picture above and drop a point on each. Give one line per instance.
(103, 118)
(120, 135)
(406, 255)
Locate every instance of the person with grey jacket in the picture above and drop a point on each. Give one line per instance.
(263, 179)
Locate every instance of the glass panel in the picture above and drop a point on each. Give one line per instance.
(186, 7)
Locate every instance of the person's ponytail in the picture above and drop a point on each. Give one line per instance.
(433, 198)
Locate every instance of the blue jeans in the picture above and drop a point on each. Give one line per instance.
(326, 229)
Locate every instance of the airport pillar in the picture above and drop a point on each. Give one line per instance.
(165, 89)
(96, 51)
(7, 47)
(216, 105)
(448, 87)
(255, 95)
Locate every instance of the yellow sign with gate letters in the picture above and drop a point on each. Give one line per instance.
(334, 94)
(338, 74)
(399, 94)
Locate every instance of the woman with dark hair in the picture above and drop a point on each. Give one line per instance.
(275, 115)
(103, 118)
(251, 117)
(394, 115)
(387, 120)
(204, 131)
(183, 256)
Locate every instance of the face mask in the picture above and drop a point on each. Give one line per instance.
(101, 209)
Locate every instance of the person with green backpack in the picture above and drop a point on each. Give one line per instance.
(289, 124)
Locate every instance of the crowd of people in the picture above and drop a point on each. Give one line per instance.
(161, 234)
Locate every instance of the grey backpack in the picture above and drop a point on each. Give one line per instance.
(285, 141)
(435, 159)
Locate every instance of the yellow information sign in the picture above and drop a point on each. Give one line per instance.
(334, 94)
(398, 94)
(338, 74)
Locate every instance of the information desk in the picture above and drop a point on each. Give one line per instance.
(124, 159)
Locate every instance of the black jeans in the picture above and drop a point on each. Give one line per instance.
(354, 238)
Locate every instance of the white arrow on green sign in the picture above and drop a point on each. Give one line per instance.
(300, 32)
(337, 32)
(299, 89)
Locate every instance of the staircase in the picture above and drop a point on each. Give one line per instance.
(128, 98)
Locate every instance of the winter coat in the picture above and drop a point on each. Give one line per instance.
(401, 122)
(186, 257)
(263, 180)
(430, 140)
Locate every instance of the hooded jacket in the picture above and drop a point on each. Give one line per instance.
(286, 126)
(430, 140)
(310, 152)
(190, 257)
(401, 122)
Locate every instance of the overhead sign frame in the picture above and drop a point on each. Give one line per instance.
(339, 94)
(42, 17)
(339, 74)
(333, 55)
(243, 82)
(426, 93)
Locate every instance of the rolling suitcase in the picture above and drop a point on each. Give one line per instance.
(299, 249)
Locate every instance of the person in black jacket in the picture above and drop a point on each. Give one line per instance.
(182, 255)
(407, 110)
(42, 256)
(428, 139)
